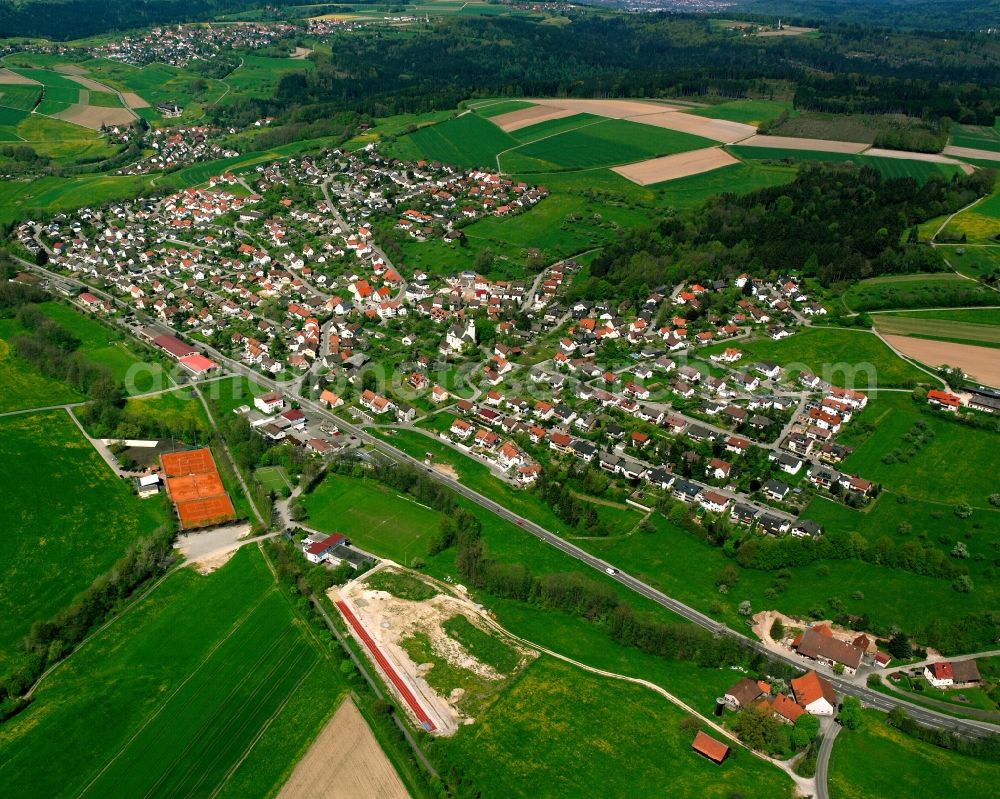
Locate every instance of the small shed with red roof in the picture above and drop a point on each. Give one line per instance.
(707, 746)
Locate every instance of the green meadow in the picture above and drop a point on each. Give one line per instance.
(563, 728)
(938, 458)
(467, 140)
(749, 112)
(70, 518)
(838, 355)
(909, 768)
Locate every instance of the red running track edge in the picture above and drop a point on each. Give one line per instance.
(383, 664)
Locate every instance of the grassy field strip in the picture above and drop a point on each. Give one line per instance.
(190, 746)
(208, 656)
(937, 329)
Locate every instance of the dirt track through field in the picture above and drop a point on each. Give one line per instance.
(344, 762)
(647, 113)
(89, 83)
(13, 79)
(675, 166)
(797, 143)
(972, 152)
(981, 363)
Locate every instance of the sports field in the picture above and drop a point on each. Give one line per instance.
(209, 686)
(374, 517)
(195, 486)
(918, 771)
(272, 478)
(561, 727)
(68, 519)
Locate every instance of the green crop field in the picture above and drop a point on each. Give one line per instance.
(691, 192)
(918, 470)
(213, 685)
(989, 317)
(918, 770)
(546, 729)
(975, 136)
(835, 355)
(599, 144)
(64, 94)
(888, 167)
(20, 200)
(156, 83)
(51, 107)
(374, 517)
(749, 112)
(553, 127)
(938, 290)
(104, 99)
(938, 329)
(11, 117)
(70, 518)
(19, 96)
(49, 78)
(467, 141)
(494, 108)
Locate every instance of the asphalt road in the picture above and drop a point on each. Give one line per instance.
(866, 695)
(823, 762)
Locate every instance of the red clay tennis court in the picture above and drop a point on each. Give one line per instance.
(195, 488)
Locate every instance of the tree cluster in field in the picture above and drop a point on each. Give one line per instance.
(576, 513)
(771, 554)
(51, 349)
(50, 640)
(761, 730)
(835, 222)
(987, 746)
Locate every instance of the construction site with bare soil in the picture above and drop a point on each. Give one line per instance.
(440, 653)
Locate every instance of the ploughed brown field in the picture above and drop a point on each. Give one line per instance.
(679, 165)
(345, 762)
(981, 363)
